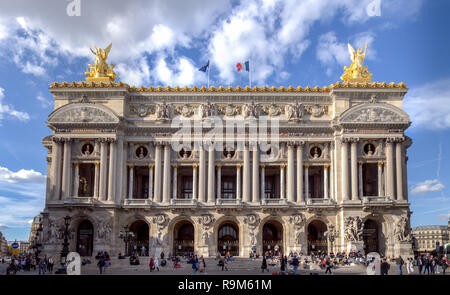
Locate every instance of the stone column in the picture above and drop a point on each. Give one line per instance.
(158, 174)
(306, 182)
(174, 182)
(112, 171)
(255, 174)
(166, 176)
(150, 182)
(194, 182)
(119, 169)
(282, 188)
(130, 182)
(390, 176)
(76, 179)
(380, 179)
(344, 176)
(360, 180)
(246, 175)
(56, 169)
(238, 181)
(399, 166)
(290, 174)
(325, 181)
(211, 174)
(96, 179)
(219, 181)
(354, 169)
(66, 169)
(300, 195)
(331, 171)
(103, 169)
(202, 176)
(263, 181)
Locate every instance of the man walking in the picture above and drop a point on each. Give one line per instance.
(101, 263)
(400, 263)
(420, 264)
(41, 267)
(295, 264)
(328, 266)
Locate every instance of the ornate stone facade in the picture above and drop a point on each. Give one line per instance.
(341, 161)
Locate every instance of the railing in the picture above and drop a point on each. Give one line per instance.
(175, 202)
(315, 201)
(80, 201)
(137, 202)
(228, 202)
(268, 202)
(376, 200)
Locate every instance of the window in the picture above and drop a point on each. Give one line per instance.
(186, 191)
(269, 187)
(228, 187)
(370, 179)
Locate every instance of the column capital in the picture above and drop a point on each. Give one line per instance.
(306, 167)
(238, 166)
(326, 166)
(262, 166)
(219, 167)
(360, 164)
(131, 166)
(394, 139)
(76, 164)
(97, 164)
(380, 164)
(151, 166)
(282, 166)
(194, 166)
(354, 140)
(345, 139)
(175, 166)
(291, 143)
(300, 143)
(57, 139)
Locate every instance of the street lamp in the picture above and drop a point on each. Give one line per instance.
(65, 249)
(126, 235)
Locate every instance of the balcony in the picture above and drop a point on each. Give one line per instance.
(80, 201)
(229, 202)
(319, 202)
(183, 202)
(136, 203)
(376, 200)
(273, 202)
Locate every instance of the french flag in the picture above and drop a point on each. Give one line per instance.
(243, 66)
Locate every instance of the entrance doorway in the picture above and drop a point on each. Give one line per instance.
(272, 237)
(183, 238)
(140, 230)
(370, 236)
(317, 241)
(85, 238)
(228, 239)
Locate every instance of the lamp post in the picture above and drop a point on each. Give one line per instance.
(126, 235)
(65, 249)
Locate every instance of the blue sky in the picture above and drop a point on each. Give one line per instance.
(164, 43)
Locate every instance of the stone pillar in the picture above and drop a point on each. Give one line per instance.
(306, 182)
(119, 169)
(263, 181)
(202, 176)
(66, 169)
(103, 169)
(76, 179)
(246, 175)
(290, 174)
(380, 179)
(130, 182)
(399, 166)
(325, 181)
(112, 171)
(390, 176)
(354, 169)
(282, 187)
(255, 174)
(238, 181)
(219, 181)
(150, 182)
(300, 195)
(194, 182)
(344, 176)
(331, 171)
(96, 179)
(360, 180)
(158, 174)
(56, 169)
(174, 182)
(166, 176)
(211, 175)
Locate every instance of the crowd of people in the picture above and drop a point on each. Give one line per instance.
(28, 262)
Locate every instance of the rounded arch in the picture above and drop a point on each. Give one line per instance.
(226, 237)
(173, 228)
(83, 113)
(374, 112)
(383, 226)
(282, 237)
(85, 238)
(140, 242)
(315, 235)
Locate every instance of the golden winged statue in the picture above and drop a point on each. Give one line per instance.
(356, 72)
(101, 71)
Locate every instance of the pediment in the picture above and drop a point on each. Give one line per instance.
(374, 113)
(83, 113)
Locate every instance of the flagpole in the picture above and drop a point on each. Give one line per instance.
(209, 68)
(250, 73)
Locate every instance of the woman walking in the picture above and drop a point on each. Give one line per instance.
(151, 264)
(156, 263)
(264, 265)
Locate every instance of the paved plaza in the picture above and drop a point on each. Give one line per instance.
(241, 266)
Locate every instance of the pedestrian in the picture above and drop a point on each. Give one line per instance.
(101, 263)
(264, 265)
(151, 264)
(433, 265)
(295, 264)
(400, 263)
(384, 267)
(328, 266)
(202, 264)
(42, 267)
(283, 265)
(444, 265)
(156, 263)
(194, 266)
(143, 251)
(420, 264)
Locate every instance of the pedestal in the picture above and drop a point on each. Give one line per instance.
(403, 249)
(355, 247)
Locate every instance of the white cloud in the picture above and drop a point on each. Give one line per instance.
(428, 102)
(14, 213)
(45, 102)
(431, 185)
(9, 111)
(21, 176)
